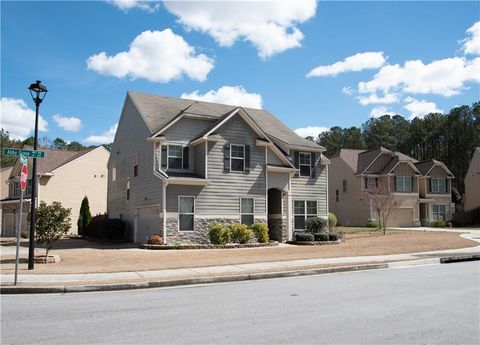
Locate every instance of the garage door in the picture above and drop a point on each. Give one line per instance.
(148, 223)
(401, 217)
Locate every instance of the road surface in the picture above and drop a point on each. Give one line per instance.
(416, 305)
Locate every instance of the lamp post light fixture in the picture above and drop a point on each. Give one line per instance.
(38, 92)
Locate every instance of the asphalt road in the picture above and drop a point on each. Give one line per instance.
(416, 305)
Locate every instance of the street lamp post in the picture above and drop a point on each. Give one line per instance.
(38, 92)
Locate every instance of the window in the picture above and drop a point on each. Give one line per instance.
(304, 163)
(302, 210)
(186, 212)
(237, 157)
(247, 206)
(128, 188)
(403, 183)
(439, 212)
(344, 186)
(175, 157)
(336, 195)
(114, 173)
(135, 164)
(438, 185)
(16, 189)
(371, 182)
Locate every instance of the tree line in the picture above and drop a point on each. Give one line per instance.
(58, 143)
(450, 138)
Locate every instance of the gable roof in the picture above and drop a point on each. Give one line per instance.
(426, 165)
(366, 158)
(159, 111)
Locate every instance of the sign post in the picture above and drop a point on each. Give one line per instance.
(23, 186)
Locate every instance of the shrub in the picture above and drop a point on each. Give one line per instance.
(316, 224)
(438, 224)
(155, 239)
(471, 217)
(218, 234)
(52, 223)
(321, 236)
(84, 217)
(261, 232)
(372, 224)
(304, 237)
(105, 228)
(333, 236)
(332, 220)
(240, 233)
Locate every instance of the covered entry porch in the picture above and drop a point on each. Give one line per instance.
(279, 203)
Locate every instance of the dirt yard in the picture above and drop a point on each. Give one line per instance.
(81, 256)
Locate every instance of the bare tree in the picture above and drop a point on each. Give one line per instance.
(382, 201)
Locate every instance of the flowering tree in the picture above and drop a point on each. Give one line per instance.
(52, 223)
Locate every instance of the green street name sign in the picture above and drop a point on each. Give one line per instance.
(26, 153)
(23, 160)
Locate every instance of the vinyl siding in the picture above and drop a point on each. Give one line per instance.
(146, 188)
(273, 159)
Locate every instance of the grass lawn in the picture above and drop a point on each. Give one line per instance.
(355, 229)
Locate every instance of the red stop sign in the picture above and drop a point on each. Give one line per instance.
(23, 178)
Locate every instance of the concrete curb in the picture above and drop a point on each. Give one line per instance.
(231, 278)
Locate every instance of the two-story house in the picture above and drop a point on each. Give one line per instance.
(421, 189)
(472, 182)
(177, 165)
(63, 176)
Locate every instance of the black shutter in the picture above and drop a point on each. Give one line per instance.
(296, 161)
(185, 158)
(365, 182)
(429, 185)
(376, 182)
(164, 157)
(226, 157)
(247, 158)
(313, 160)
(395, 183)
(411, 183)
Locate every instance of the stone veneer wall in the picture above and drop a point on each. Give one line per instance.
(278, 228)
(200, 234)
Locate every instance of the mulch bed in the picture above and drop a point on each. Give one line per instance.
(207, 246)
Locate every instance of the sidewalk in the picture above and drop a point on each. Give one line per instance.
(170, 277)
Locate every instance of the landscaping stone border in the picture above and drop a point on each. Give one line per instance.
(206, 246)
(314, 243)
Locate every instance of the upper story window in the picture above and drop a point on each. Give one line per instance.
(174, 157)
(128, 188)
(371, 182)
(135, 164)
(403, 183)
(438, 185)
(302, 210)
(304, 163)
(237, 158)
(344, 186)
(247, 206)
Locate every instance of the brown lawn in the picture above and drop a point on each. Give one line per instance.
(81, 256)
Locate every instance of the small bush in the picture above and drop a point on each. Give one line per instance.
(101, 227)
(240, 233)
(321, 236)
(304, 237)
(372, 224)
(333, 236)
(316, 224)
(218, 234)
(332, 220)
(261, 232)
(52, 223)
(438, 224)
(155, 239)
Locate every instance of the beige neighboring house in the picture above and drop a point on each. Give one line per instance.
(5, 175)
(64, 176)
(472, 182)
(422, 189)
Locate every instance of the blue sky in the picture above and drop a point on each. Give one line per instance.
(405, 57)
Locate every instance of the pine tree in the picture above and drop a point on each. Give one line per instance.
(84, 218)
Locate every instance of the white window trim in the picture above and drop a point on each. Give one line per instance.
(444, 185)
(114, 173)
(375, 178)
(243, 146)
(168, 156)
(246, 214)
(300, 164)
(194, 208)
(403, 190)
(306, 214)
(433, 212)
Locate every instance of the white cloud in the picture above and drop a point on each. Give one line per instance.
(445, 77)
(18, 119)
(104, 138)
(389, 98)
(72, 124)
(158, 56)
(126, 5)
(233, 95)
(471, 44)
(271, 26)
(420, 108)
(311, 131)
(380, 111)
(347, 90)
(354, 63)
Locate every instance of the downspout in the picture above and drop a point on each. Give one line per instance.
(328, 210)
(289, 208)
(164, 210)
(266, 183)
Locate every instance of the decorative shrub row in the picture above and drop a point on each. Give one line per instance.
(237, 233)
(438, 224)
(104, 228)
(372, 224)
(319, 236)
(471, 217)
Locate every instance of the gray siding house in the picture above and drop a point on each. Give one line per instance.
(177, 165)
